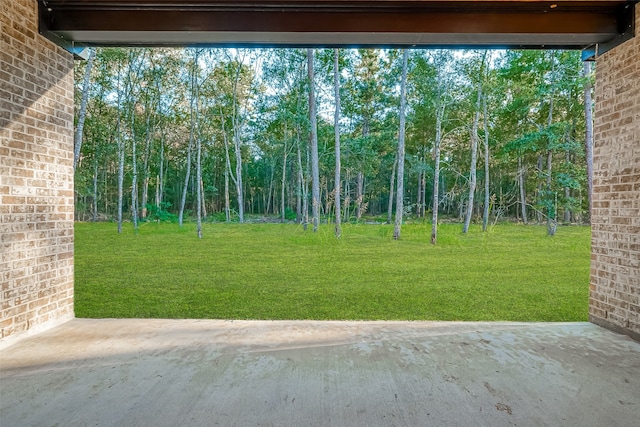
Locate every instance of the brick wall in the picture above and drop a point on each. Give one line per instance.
(615, 251)
(36, 176)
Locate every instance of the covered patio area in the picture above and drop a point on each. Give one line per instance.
(293, 373)
(198, 372)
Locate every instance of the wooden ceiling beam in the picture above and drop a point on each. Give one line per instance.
(453, 23)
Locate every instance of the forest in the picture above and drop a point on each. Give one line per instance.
(326, 136)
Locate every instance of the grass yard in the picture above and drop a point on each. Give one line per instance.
(279, 271)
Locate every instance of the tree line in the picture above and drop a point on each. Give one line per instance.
(338, 134)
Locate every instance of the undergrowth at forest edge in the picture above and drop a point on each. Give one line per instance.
(279, 271)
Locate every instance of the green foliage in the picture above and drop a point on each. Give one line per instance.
(289, 214)
(258, 98)
(161, 213)
(278, 271)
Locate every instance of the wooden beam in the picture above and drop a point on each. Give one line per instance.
(462, 23)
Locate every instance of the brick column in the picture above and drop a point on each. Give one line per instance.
(615, 245)
(36, 176)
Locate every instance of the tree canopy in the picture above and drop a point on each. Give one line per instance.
(218, 134)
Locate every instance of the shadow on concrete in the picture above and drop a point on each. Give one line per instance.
(298, 373)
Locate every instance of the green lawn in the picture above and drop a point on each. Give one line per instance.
(279, 271)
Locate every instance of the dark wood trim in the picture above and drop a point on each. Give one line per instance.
(454, 23)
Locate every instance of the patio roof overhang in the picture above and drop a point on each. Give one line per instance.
(594, 25)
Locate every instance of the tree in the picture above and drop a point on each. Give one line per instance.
(313, 140)
(487, 198)
(474, 146)
(336, 128)
(147, 126)
(83, 108)
(401, 134)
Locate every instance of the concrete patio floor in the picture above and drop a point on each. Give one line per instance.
(127, 372)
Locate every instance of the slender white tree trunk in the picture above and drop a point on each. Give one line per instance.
(315, 167)
(120, 172)
(299, 183)
(552, 220)
(487, 199)
(359, 194)
(194, 132)
(160, 178)
(474, 162)
(237, 146)
(523, 195)
(227, 171)
(95, 190)
(436, 175)
(391, 189)
(134, 180)
(145, 166)
(227, 202)
(283, 182)
(120, 144)
(239, 187)
(336, 130)
(82, 114)
(403, 103)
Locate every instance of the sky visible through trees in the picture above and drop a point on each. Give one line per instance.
(230, 135)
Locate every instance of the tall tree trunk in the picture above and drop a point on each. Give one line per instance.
(436, 175)
(187, 176)
(418, 194)
(523, 195)
(360, 175)
(237, 147)
(227, 171)
(588, 112)
(305, 188)
(403, 103)
(95, 188)
(194, 135)
(359, 194)
(487, 199)
(120, 144)
(204, 197)
(336, 130)
(474, 162)
(391, 189)
(315, 167)
(284, 179)
(82, 114)
(423, 186)
(227, 202)
(346, 202)
(270, 192)
(300, 179)
(199, 186)
(145, 167)
(552, 220)
(567, 190)
(120, 172)
(239, 187)
(160, 178)
(134, 180)
(539, 195)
